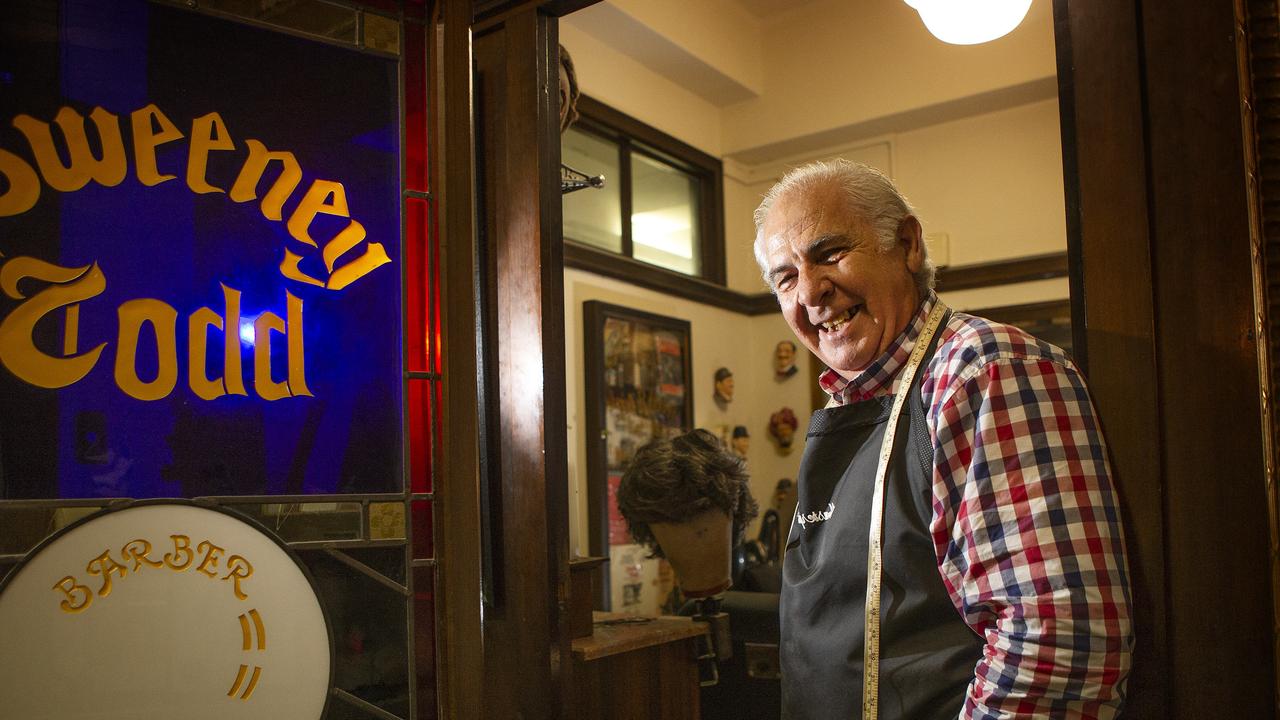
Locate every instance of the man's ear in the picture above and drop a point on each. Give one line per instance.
(911, 239)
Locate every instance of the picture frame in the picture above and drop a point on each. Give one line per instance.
(639, 387)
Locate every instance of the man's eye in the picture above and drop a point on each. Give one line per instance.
(785, 282)
(832, 255)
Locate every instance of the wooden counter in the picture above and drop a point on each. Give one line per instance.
(628, 670)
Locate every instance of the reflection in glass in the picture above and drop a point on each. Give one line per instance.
(664, 227)
(308, 522)
(593, 216)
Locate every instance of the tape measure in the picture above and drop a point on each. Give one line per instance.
(875, 553)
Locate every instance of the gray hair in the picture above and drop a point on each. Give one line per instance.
(869, 193)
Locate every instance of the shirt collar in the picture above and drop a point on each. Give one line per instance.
(877, 378)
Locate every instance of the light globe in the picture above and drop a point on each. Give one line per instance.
(969, 22)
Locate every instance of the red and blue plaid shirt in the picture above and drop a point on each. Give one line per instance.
(1026, 525)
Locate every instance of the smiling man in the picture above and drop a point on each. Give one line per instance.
(1003, 588)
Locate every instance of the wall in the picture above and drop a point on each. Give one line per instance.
(838, 64)
(623, 83)
(991, 183)
(986, 172)
(720, 338)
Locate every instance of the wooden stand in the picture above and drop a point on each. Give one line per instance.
(630, 670)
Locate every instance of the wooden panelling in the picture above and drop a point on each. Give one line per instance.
(1104, 154)
(1159, 242)
(461, 660)
(1262, 65)
(1222, 663)
(652, 277)
(521, 350)
(1003, 272)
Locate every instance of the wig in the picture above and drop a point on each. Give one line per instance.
(675, 480)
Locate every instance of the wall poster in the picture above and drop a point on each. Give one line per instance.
(200, 242)
(638, 388)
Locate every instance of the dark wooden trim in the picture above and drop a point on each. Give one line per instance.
(594, 314)
(555, 412)
(1048, 308)
(1166, 317)
(525, 632)
(595, 110)
(560, 8)
(1100, 67)
(459, 640)
(1201, 254)
(652, 277)
(1002, 272)
(489, 13)
(634, 136)
(625, 204)
(1262, 25)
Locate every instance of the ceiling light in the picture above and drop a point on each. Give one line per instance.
(969, 22)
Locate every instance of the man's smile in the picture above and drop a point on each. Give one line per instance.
(839, 321)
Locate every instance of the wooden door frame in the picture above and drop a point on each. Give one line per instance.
(1159, 247)
(1155, 170)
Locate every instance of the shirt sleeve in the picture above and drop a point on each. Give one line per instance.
(1027, 530)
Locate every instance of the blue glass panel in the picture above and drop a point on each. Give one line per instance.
(121, 279)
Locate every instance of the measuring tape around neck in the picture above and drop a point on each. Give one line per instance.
(875, 553)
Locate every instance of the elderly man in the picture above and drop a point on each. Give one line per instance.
(954, 496)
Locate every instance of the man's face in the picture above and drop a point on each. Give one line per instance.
(844, 298)
(724, 388)
(784, 357)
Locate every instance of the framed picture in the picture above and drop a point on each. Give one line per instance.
(639, 387)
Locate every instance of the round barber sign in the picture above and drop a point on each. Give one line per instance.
(162, 610)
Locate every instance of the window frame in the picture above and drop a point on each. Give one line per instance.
(634, 136)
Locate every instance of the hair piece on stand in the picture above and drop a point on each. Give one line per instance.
(671, 481)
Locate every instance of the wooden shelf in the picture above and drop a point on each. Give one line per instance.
(611, 637)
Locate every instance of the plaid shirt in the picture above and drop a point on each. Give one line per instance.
(1026, 526)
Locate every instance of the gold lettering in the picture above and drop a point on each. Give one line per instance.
(181, 548)
(18, 351)
(78, 597)
(146, 139)
(297, 357)
(211, 553)
(108, 170)
(24, 185)
(133, 315)
(317, 202)
(197, 352)
(266, 387)
(232, 374)
(207, 133)
(71, 331)
(246, 185)
(289, 268)
(374, 256)
(138, 551)
(330, 198)
(197, 349)
(104, 565)
(238, 569)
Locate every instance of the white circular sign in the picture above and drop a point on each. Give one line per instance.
(162, 610)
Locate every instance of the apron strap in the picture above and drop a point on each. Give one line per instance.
(871, 614)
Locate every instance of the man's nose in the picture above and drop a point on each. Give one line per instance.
(812, 287)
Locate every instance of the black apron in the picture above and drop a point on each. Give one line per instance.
(927, 652)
